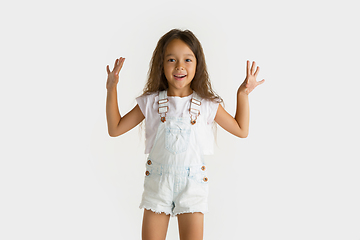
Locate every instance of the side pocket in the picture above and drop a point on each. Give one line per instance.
(200, 177)
(199, 183)
(152, 179)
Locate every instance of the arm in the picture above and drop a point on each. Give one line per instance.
(239, 125)
(118, 125)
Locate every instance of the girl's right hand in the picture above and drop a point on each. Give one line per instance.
(113, 76)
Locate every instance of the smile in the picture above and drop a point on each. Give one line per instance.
(179, 77)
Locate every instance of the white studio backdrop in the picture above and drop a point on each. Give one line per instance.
(295, 177)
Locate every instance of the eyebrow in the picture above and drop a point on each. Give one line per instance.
(188, 54)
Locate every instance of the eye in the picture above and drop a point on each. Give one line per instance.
(188, 60)
(171, 60)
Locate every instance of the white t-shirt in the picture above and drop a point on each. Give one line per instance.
(178, 107)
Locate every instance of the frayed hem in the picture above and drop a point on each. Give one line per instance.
(156, 211)
(178, 213)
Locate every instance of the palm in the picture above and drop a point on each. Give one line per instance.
(250, 82)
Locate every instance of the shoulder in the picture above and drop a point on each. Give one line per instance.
(209, 107)
(147, 101)
(209, 104)
(209, 100)
(146, 96)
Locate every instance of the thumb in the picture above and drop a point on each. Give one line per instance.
(261, 82)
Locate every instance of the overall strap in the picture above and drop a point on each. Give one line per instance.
(195, 107)
(163, 105)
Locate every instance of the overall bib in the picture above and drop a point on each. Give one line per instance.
(176, 177)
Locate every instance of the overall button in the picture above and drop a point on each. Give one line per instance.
(203, 168)
(149, 162)
(205, 179)
(147, 173)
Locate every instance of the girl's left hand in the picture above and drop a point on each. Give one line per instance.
(250, 82)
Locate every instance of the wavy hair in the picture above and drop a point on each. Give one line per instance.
(156, 77)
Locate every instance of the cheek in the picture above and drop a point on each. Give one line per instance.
(193, 70)
(166, 70)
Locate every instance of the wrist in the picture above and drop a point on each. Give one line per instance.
(242, 90)
(111, 89)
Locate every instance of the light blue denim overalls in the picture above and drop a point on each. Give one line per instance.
(176, 177)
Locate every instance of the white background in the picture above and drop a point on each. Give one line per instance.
(295, 177)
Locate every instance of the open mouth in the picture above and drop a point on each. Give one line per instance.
(179, 77)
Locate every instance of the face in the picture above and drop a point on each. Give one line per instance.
(179, 67)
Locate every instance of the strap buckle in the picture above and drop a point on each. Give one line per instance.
(195, 101)
(163, 108)
(194, 113)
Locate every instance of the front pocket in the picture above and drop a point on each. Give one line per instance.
(177, 135)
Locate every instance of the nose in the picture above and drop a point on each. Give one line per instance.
(179, 67)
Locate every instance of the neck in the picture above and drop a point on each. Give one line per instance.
(179, 92)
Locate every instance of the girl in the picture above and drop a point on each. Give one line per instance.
(179, 107)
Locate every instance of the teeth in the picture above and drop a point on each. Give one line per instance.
(180, 75)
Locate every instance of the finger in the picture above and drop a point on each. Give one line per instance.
(253, 67)
(257, 71)
(116, 61)
(119, 60)
(261, 82)
(248, 67)
(108, 69)
(122, 62)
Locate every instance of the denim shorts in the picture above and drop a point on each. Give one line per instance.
(175, 189)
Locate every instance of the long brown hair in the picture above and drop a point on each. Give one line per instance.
(156, 76)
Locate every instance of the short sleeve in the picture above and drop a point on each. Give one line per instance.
(142, 101)
(211, 109)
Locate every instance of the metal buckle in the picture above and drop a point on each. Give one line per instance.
(167, 108)
(162, 101)
(195, 101)
(195, 111)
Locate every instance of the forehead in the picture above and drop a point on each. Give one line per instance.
(177, 47)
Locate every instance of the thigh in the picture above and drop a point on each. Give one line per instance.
(191, 226)
(154, 225)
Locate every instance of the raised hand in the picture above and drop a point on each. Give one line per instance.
(250, 82)
(113, 76)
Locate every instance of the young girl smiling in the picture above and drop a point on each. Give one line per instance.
(179, 107)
